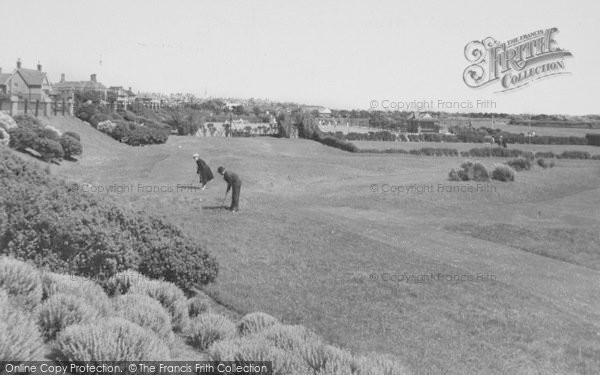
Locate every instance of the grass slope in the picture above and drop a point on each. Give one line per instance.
(311, 232)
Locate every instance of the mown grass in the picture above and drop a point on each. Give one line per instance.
(311, 232)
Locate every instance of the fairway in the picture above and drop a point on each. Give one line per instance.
(381, 252)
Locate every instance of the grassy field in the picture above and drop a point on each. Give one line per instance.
(501, 279)
(377, 145)
(539, 130)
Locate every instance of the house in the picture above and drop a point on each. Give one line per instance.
(422, 123)
(30, 84)
(121, 95)
(66, 88)
(4, 77)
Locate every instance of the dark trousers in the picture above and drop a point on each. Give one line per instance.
(235, 196)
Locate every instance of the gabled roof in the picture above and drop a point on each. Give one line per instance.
(4, 78)
(32, 77)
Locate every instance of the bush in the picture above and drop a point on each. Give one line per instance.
(43, 214)
(92, 293)
(21, 138)
(4, 137)
(114, 339)
(289, 338)
(335, 142)
(519, 164)
(20, 338)
(73, 135)
(121, 282)
(502, 172)
(468, 171)
(205, 329)
(71, 146)
(145, 312)
(170, 297)
(49, 149)
(545, 164)
(593, 139)
(21, 281)
(255, 322)
(197, 305)
(62, 310)
(252, 349)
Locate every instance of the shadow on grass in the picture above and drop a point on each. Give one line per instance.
(215, 208)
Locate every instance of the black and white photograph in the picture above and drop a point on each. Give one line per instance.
(299, 187)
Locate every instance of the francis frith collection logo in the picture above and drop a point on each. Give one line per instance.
(516, 62)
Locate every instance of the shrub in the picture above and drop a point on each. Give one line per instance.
(62, 310)
(114, 339)
(71, 146)
(20, 338)
(170, 297)
(21, 138)
(502, 172)
(545, 164)
(92, 293)
(205, 329)
(73, 135)
(4, 137)
(69, 231)
(145, 312)
(470, 171)
(252, 349)
(49, 149)
(519, 164)
(197, 305)
(21, 281)
(255, 322)
(121, 282)
(289, 338)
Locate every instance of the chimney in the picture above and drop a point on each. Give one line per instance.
(62, 77)
(93, 78)
(39, 66)
(19, 63)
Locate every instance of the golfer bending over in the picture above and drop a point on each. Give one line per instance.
(233, 180)
(203, 171)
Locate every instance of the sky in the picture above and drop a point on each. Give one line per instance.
(340, 54)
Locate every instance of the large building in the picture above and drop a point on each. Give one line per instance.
(66, 88)
(30, 84)
(422, 123)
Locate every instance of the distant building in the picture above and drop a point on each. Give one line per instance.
(122, 96)
(66, 88)
(422, 123)
(30, 84)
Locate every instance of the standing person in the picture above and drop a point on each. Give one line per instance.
(203, 171)
(233, 181)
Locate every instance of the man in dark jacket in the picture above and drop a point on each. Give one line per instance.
(233, 181)
(203, 171)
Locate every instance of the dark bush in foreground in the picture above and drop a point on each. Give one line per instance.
(53, 225)
(470, 171)
(114, 339)
(502, 172)
(519, 164)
